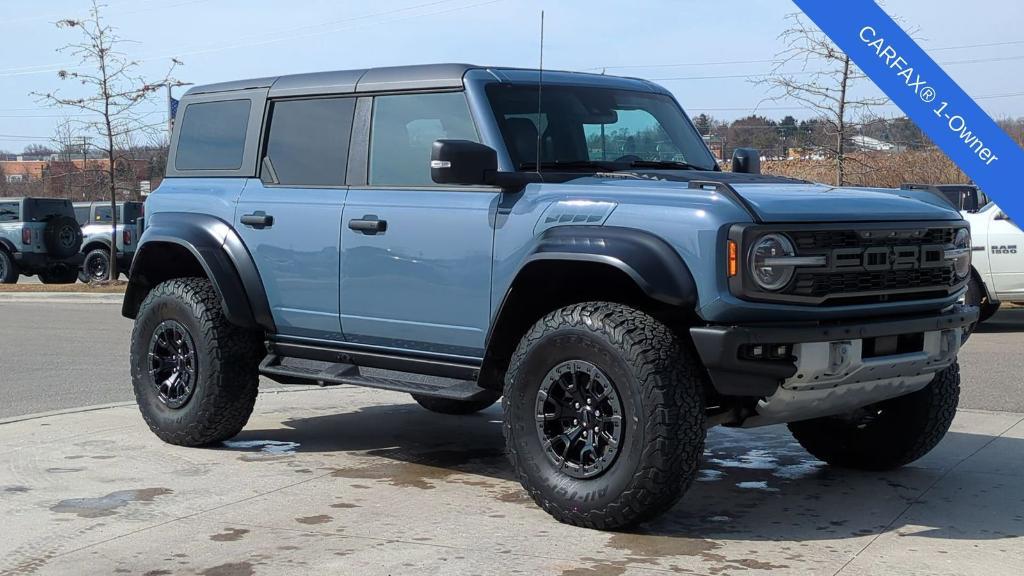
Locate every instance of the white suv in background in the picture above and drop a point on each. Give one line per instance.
(998, 248)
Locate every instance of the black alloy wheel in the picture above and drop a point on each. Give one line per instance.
(579, 419)
(173, 363)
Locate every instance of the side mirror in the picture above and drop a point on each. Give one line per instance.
(462, 162)
(746, 161)
(969, 200)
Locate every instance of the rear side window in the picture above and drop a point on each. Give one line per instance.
(102, 214)
(308, 141)
(212, 136)
(403, 129)
(82, 215)
(9, 211)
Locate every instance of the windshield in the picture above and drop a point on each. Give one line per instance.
(584, 126)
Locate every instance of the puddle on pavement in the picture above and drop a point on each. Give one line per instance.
(265, 446)
(423, 469)
(312, 520)
(230, 569)
(229, 535)
(107, 505)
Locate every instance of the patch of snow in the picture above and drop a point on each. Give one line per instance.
(752, 460)
(268, 446)
(719, 519)
(759, 485)
(797, 471)
(710, 475)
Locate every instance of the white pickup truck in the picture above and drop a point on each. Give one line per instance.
(998, 245)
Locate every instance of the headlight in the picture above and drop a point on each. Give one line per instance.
(768, 274)
(962, 253)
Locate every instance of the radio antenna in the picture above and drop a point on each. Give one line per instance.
(540, 89)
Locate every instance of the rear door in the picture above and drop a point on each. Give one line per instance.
(290, 218)
(416, 259)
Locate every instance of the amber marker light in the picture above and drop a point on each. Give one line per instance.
(733, 260)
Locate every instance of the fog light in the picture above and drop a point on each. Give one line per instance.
(766, 351)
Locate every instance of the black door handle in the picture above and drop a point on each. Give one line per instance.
(258, 220)
(369, 225)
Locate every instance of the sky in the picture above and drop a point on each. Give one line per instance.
(703, 51)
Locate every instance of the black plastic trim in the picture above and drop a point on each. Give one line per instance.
(386, 361)
(719, 346)
(651, 262)
(223, 257)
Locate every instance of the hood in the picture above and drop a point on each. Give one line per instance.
(778, 200)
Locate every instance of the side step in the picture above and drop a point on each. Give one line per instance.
(336, 374)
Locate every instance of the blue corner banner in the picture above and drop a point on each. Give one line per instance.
(927, 95)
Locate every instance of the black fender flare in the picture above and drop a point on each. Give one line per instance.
(6, 245)
(219, 251)
(93, 242)
(648, 260)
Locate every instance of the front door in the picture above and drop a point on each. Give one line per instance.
(290, 219)
(416, 257)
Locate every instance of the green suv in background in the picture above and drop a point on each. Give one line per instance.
(39, 236)
(96, 221)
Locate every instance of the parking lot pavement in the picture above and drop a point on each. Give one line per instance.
(355, 481)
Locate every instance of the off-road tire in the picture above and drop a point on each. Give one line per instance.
(455, 407)
(62, 237)
(227, 365)
(85, 275)
(8, 269)
(886, 435)
(661, 386)
(976, 296)
(59, 275)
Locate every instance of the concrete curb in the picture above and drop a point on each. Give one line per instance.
(61, 298)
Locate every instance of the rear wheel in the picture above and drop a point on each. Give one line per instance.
(96, 266)
(8, 269)
(888, 434)
(456, 407)
(195, 375)
(604, 415)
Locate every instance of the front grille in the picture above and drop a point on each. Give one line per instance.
(854, 277)
(810, 240)
(824, 284)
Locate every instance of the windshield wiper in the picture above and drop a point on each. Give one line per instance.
(667, 164)
(571, 165)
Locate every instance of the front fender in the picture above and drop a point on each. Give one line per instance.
(217, 248)
(647, 259)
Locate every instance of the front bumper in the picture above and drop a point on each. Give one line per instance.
(832, 352)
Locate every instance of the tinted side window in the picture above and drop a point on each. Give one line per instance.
(403, 129)
(102, 214)
(9, 211)
(82, 214)
(308, 142)
(212, 136)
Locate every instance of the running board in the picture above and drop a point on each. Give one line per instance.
(337, 374)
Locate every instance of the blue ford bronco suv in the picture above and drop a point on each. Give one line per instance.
(562, 241)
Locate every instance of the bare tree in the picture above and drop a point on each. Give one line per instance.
(116, 93)
(824, 84)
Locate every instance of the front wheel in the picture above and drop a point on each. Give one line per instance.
(888, 434)
(604, 415)
(195, 375)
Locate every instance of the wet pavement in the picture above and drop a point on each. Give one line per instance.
(357, 481)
